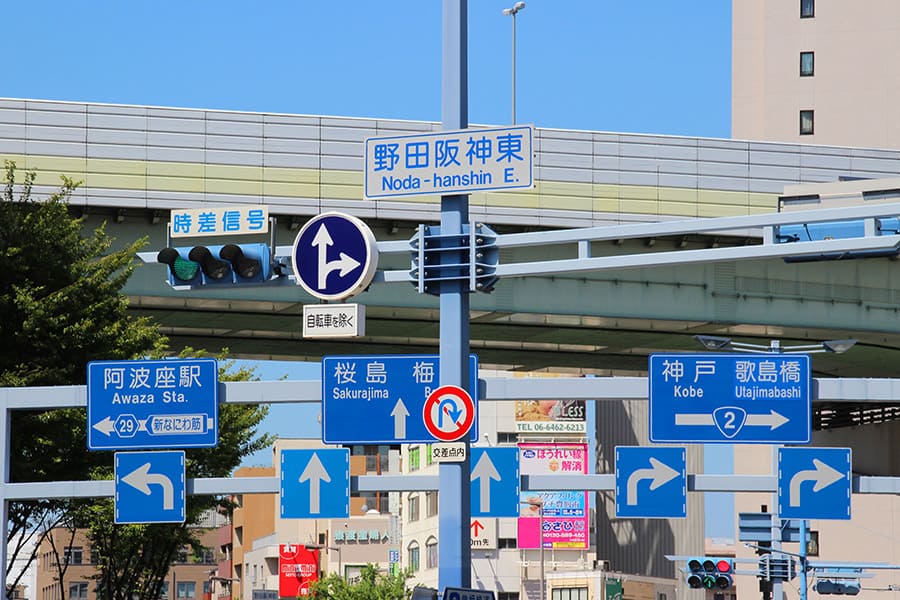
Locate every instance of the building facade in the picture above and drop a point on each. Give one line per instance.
(816, 72)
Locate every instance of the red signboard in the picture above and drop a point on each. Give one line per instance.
(297, 568)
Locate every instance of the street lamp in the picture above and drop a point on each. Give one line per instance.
(539, 503)
(714, 342)
(511, 12)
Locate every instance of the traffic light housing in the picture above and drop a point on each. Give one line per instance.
(710, 572)
(211, 265)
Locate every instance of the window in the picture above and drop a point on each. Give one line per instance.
(414, 459)
(431, 553)
(569, 593)
(72, 555)
(431, 504)
(165, 590)
(812, 546)
(78, 591)
(429, 458)
(506, 437)
(412, 555)
(807, 9)
(507, 595)
(807, 122)
(186, 589)
(807, 64)
(413, 507)
(660, 596)
(506, 543)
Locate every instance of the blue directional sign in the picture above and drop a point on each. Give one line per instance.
(315, 484)
(814, 483)
(730, 398)
(153, 404)
(651, 482)
(494, 482)
(381, 399)
(335, 256)
(451, 593)
(150, 487)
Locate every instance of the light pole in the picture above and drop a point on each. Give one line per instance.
(712, 342)
(511, 12)
(539, 503)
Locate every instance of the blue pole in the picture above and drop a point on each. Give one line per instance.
(803, 546)
(454, 546)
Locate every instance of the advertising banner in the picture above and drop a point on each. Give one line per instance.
(550, 416)
(565, 514)
(297, 568)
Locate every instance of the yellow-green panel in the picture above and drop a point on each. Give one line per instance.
(606, 205)
(724, 197)
(343, 178)
(641, 207)
(175, 184)
(342, 192)
(766, 202)
(562, 188)
(291, 190)
(175, 169)
(116, 166)
(556, 202)
(677, 209)
(234, 186)
(638, 192)
(49, 168)
(234, 172)
(529, 199)
(290, 175)
(678, 194)
(116, 182)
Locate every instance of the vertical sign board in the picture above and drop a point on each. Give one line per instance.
(651, 482)
(494, 483)
(315, 484)
(730, 398)
(150, 487)
(449, 162)
(298, 566)
(814, 483)
(381, 399)
(153, 404)
(566, 523)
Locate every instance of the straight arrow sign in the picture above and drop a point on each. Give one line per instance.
(494, 482)
(400, 413)
(484, 472)
(315, 483)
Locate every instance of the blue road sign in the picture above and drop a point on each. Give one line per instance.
(335, 256)
(381, 399)
(153, 404)
(494, 482)
(451, 593)
(150, 487)
(315, 484)
(814, 483)
(730, 398)
(651, 482)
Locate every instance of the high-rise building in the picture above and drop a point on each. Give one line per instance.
(816, 72)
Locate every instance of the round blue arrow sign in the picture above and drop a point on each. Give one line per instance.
(335, 256)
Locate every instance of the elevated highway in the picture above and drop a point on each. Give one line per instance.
(136, 163)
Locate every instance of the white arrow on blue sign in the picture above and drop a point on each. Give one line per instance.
(315, 484)
(381, 399)
(494, 482)
(152, 404)
(150, 487)
(730, 398)
(814, 483)
(651, 482)
(335, 256)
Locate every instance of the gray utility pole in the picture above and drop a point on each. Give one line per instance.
(454, 545)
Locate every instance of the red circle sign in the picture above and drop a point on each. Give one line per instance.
(449, 413)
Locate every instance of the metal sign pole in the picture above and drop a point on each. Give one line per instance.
(454, 546)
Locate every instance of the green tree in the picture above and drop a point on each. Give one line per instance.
(61, 306)
(372, 585)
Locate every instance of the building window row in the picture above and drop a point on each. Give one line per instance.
(569, 593)
(807, 122)
(807, 64)
(807, 9)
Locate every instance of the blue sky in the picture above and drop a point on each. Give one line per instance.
(651, 67)
(655, 66)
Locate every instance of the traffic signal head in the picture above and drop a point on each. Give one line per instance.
(710, 572)
(208, 265)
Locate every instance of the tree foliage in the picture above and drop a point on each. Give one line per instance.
(62, 306)
(372, 585)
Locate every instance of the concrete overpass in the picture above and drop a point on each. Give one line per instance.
(138, 162)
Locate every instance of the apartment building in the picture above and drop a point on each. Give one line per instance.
(816, 72)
